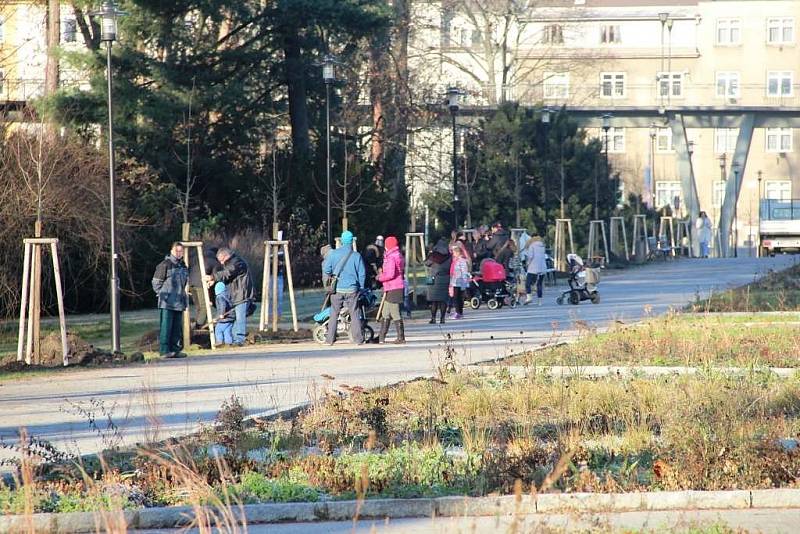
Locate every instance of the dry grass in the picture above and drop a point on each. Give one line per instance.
(695, 340)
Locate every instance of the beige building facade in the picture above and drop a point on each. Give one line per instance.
(647, 64)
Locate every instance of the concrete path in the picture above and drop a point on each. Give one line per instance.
(776, 521)
(762, 521)
(173, 397)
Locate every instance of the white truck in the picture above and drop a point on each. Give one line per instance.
(779, 226)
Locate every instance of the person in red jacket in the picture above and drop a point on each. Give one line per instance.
(392, 276)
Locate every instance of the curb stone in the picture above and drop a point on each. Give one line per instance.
(775, 498)
(179, 516)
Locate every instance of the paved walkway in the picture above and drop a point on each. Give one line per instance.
(777, 521)
(173, 397)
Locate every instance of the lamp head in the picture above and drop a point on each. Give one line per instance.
(722, 161)
(453, 96)
(663, 17)
(546, 116)
(669, 24)
(329, 69)
(606, 122)
(108, 14)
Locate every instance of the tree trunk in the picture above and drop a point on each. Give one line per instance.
(298, 106)
(53, 41)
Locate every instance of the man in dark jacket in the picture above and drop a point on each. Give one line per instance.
(499, 237)
(373, 259)
(197, 285)
(235, 274)
(169, 284)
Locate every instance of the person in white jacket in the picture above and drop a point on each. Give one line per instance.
(703, 226)
(536, 268)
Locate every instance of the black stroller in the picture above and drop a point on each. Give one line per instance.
(583, 282)
(367, 300)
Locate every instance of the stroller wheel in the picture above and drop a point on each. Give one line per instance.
(319, 333)
(595, 298)
(574, 298)
(475, 303)
(560, 300)
(368, 333)
(493, 304)
(512, 301)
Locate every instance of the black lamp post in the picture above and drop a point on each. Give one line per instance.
(108, 14)
(723, 160)
(758, 252)
(606, 127)
(690, 150)
(735, 168)
(546, 121)
(328, 76)
(651, 185)
(453, 98)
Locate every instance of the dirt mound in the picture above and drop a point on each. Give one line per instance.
(51, 355)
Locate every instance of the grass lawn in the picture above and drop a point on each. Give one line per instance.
(695, 340)
(777, 291)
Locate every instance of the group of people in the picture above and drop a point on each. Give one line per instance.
(451, 265)
(226, 273)
(345, 272)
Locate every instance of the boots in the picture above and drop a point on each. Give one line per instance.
(384, 329)
(401, 333)
(442, 311)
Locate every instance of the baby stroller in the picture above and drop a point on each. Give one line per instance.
(366, 301)
(583, 282)
(492, 286)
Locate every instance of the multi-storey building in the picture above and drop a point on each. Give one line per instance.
(702, 96)
(23, 49)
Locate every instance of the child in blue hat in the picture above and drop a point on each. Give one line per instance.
(223, 329)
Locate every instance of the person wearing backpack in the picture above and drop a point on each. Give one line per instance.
(346, 274)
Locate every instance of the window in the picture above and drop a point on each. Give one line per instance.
(612, 85)
(446, 28)
(616, 140)
(477, 38)
(779, 83)
(556, 85)
(664, 140)
(729, 31)
(718, 193)
(553, 34)
(780, 31)
(610, 34)
(668, 194)
(69, 30)
(779, 139)
(670, 84)
(778, 189)
(727, 85)
(725, 140)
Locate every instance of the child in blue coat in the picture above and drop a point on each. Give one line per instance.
(223, 329)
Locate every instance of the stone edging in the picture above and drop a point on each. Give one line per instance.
(181, 516)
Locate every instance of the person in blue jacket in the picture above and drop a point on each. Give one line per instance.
(223, 326)
(347, 266)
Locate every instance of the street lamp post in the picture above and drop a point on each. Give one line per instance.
(690, 150)
(723, 159)
(606, 127)
(453, 95)
(328, 76)
(735, 168)
(108, 14)
(651, 185)
(662, 17)
(758, 251)
(546, 121)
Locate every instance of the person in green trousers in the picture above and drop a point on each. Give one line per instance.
(169, 284)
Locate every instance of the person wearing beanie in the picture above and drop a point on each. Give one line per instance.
(344, 268)
(373, 258)
(223, 329)
(392, 277)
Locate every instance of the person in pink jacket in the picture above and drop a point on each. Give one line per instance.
(392, 276)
